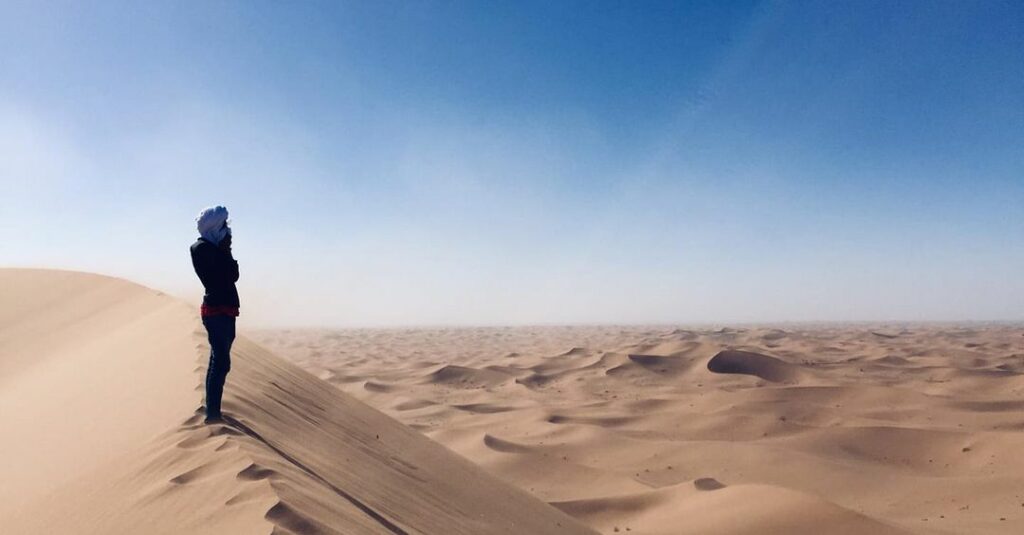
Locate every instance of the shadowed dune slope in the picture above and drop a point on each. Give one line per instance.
(756, 364)
(99, 390)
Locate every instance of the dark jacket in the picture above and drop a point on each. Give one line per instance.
(218, 271)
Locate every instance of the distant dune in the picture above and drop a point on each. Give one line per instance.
(649, 430)
(100, 386)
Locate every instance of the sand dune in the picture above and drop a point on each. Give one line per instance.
(99, 391)
(756, 364)
(706, 506)
(854, 429)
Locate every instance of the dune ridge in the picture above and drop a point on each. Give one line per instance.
(109, 438)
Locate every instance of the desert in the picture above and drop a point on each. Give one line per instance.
(101, 391)
(899, 428)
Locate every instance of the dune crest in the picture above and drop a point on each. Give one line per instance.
(110, 439)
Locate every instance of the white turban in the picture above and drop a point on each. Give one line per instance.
(210, 224)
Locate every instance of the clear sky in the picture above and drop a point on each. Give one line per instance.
(423, 163)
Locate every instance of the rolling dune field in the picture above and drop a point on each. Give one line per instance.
(817, 429)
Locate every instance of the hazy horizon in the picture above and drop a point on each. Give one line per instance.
(532, 163)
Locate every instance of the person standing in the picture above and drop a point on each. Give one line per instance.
(218, 271)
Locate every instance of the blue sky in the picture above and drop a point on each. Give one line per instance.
(422, 163)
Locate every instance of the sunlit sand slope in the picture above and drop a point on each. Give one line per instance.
(99, 396)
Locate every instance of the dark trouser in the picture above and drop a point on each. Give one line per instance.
(221, 332)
